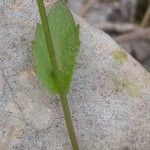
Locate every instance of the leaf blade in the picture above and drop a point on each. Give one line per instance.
(65, 39)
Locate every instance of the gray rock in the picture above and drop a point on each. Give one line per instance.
(109, 98)
(2, 84)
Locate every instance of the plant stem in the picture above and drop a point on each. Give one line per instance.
(69, 123)
(62, 95)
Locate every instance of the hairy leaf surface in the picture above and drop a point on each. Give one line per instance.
(65, 39)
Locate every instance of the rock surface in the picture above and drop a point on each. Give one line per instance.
(109, 98)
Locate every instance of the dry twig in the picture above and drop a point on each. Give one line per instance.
(117, 27)
(140, 33)
(86, 7)
(146, 19)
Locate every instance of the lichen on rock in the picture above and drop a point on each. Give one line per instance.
(119, 56)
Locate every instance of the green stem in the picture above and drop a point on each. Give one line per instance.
(69, 123)
(52, 56)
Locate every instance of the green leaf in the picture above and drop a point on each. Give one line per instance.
(65, 39)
